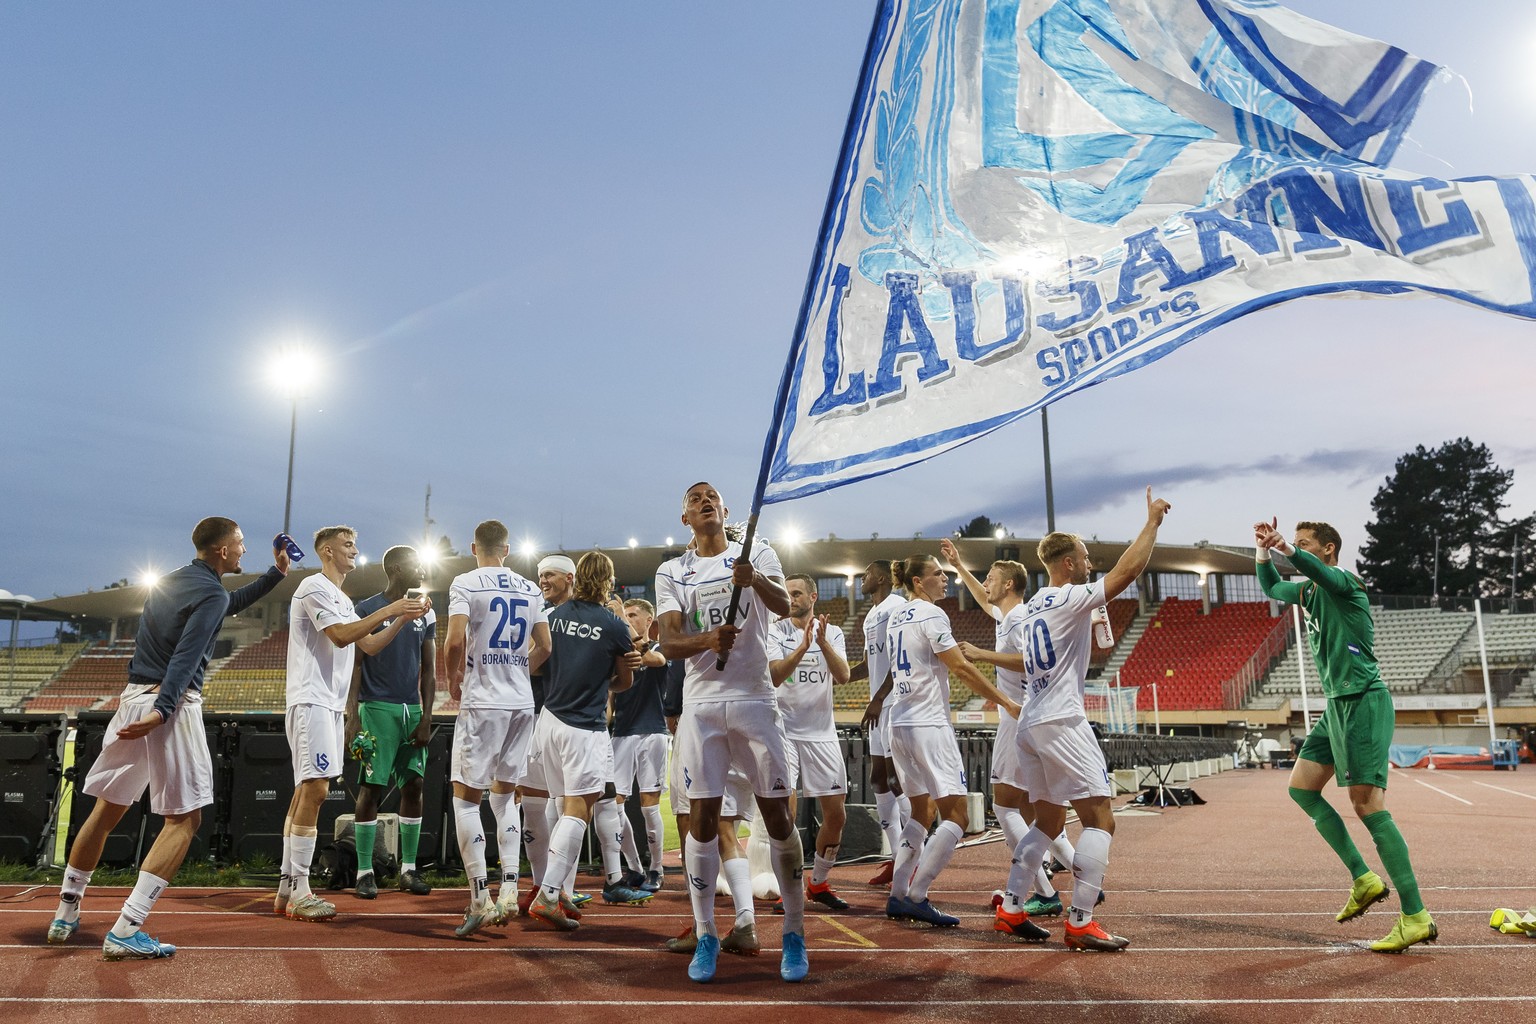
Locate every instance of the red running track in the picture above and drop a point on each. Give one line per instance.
(1229, 907)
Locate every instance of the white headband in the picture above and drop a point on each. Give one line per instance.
(559, 563)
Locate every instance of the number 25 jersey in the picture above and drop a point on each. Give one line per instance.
(1056, 637)
(502, 607)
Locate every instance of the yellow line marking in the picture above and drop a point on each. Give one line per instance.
(241, 906)
(858, 940)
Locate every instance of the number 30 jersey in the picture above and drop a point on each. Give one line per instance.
(502, 608)
(700, 588)
(918, 633)
(1056, 637)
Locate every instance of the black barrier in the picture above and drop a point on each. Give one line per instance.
(127, 844)
(29, 783)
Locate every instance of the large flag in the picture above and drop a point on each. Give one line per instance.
(1035, 196)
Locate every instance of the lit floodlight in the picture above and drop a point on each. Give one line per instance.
(998, 533)
(428, 557)
(527, 549)
(362, 560)
(149, 578)
(294, 370)
(670, 542)
(633, 543)
(789, 536)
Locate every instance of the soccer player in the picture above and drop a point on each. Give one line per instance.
(1350, 741)
(1001, 595)
(923, 655)
(639, 729)
(592, 656)
(891, 803)
(391, 701)
(323, 629)
(1060, 761)
(807, 658)
(729, 714)
(497, 634)
(156, 738)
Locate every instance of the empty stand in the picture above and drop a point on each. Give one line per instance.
(254, 678)
(24, 670)
(92, 680)
(1192, 656)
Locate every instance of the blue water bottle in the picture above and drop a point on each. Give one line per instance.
(282, 540)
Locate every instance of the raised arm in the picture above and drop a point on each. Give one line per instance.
(952, 556)
(1134, 561)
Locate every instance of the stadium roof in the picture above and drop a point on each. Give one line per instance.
(831, 557)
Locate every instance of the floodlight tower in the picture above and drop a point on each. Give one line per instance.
(291, 374)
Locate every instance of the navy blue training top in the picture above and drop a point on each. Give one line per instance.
(586, 638)
(180, 623)
(637, 710)
(394, 674)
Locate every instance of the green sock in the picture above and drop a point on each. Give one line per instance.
(363, 833)
(410, 839)
(1394, 857)
(1331, 827)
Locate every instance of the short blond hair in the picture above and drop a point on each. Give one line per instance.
(1054, 547)
(326, 534)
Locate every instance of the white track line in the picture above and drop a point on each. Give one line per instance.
(924, 1003)
(1442, 792)
(983, 946)
(1501, 789)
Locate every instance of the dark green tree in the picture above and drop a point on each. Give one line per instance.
(981, 526)
(1455, 492)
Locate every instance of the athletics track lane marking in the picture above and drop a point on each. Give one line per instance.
(1009, 949)
(925, 1003)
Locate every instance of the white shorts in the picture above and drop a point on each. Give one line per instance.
(747, 735)
(816, 767)
(1005, 754)
(490, 745)
(928, 760)
(577, 762)
(172, 761)
(1061, 761)
(880, 735)
(315, 736)
(736, 803)
(641, 757)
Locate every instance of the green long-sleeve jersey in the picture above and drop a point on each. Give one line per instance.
(1339, 627)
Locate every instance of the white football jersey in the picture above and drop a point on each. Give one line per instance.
(918, 634)
(502, 608)
(700, 588)
(319, 672)
(876, 622)
(1056, 638)
(1009, 641)
(805, 698)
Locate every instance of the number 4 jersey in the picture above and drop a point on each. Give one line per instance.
(1056, 637)
(502, 608)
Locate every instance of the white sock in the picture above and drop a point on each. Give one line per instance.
(139, 903)
(654, 834)
(1088, 867)
(509, 838)
(606, 819)
(470, 831)
(564, 852)
(890, 819)
(738, 873)
(904, 808)
(1061, 849)
(302, 843)
(71, 892)
(702, 862)
(1012, 822)
(535, 836)
(821, 865)
(937, 851)
(788, 857)
(627, 845)
(1027, 858)
(910, 849)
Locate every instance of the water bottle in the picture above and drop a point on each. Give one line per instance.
(282, 540)
(1103, 632)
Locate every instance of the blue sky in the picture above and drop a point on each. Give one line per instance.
(552, 255)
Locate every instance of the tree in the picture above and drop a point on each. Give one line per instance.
(981, 526)
(1455, 492)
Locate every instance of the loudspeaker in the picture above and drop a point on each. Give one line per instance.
(29, 782)
(261, 784)
(127, 844)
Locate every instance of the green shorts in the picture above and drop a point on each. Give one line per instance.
(394, 757)
(1354, 735)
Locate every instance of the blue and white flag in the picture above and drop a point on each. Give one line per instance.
(1035, 196)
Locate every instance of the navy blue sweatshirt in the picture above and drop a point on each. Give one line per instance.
(181, 621)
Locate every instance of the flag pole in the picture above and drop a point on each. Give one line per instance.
(797, 345)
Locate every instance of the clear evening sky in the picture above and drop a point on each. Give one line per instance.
(552, 256)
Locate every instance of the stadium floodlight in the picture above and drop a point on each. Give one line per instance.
(670, 542)
(527, 549)
(292, 373)
(633, 543)
(149, 578)
(789, 536)
(998, 533)
(362, 560)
